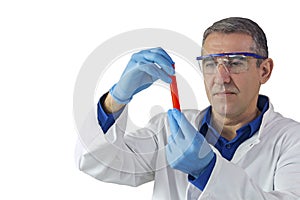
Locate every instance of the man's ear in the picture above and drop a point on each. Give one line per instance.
(265, 70)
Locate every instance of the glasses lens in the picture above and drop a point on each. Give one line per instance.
(237, 64)
(234, 63)
(209, 65)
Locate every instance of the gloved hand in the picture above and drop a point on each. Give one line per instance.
(187, 150)
(144, 68)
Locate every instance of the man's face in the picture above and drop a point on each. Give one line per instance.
(231, 94)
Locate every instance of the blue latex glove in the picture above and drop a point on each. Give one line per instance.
(187, 150)
(144, 68)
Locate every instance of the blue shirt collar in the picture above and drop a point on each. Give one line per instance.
(262, 105)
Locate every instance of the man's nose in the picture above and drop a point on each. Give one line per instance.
(222, 74)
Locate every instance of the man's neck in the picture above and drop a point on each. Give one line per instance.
(227, 126)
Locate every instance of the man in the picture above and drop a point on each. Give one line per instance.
(237, 148)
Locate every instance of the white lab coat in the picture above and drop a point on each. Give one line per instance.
(264, 167)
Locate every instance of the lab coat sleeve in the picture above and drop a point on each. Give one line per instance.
(118, 156)
(229, 181)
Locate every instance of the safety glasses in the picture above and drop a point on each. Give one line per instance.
(234, 63)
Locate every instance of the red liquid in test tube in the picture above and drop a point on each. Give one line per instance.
(174, 92)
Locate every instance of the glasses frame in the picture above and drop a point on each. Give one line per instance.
(248, 54)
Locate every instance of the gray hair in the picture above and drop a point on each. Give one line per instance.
(241, 25)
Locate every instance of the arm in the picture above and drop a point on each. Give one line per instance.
(143, 69)
(118, 156)
(110, 105)
(115, 156)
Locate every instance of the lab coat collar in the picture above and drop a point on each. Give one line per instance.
(262, 104)
(267, 114)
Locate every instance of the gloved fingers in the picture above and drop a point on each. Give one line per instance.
(176, 132)
(153, 57)
(155, 72)
(173, 153)
(174, 128)
(186, 127)
(161, 61)
(172, 156)
(162, 52)
(172, 122)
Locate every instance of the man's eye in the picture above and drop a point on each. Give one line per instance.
(210, 64)
(235, 63)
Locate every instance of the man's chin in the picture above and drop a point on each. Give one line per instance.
(224, 110)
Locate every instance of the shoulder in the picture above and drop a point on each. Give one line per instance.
(279, 128)
(275, 119)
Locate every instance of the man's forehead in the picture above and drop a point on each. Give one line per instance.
(226, 43)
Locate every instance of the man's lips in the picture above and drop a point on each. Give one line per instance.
(224, 93)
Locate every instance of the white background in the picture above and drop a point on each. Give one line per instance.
(42, 47)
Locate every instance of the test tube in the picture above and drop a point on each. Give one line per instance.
(174, 92)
